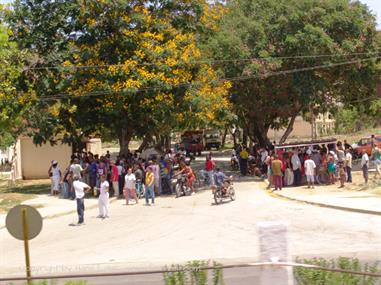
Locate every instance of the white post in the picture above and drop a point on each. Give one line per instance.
(273, 247)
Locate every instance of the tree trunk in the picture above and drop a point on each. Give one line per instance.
(260, 134)
(224, 137)
(234, 138)
(289, 129)
(125, 136)
(147, 138)
(167, 142)
(244, 136)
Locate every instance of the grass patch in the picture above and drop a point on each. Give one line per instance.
(11, 196)
(27, 189)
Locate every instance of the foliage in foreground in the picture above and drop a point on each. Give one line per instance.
(305, 276)
(191, 274)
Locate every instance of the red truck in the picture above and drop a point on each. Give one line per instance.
(366, 144)
(192, 141)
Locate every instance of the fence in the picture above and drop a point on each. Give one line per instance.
(199, 267)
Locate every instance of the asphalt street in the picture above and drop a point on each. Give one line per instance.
(189, 228)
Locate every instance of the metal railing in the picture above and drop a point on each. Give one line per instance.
(201, 268)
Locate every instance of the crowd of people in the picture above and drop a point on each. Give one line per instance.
(123, 177)
(126, 176)
(295, 166)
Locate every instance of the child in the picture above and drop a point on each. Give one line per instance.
(331, 169)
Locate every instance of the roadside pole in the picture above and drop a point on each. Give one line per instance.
(24, 223)
(273, 247)
(26, 243)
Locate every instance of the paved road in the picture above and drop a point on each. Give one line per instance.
(190, 228)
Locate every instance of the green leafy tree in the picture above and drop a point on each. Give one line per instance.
(13, 104)
(271, 33)
(125, 68)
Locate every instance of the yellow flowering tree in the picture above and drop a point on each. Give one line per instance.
(120, 68)
(138, 70)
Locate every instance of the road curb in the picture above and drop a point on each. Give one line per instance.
(355, 210)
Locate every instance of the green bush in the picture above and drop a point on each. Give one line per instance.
(353, 120)
(306, 276)
(192, 274)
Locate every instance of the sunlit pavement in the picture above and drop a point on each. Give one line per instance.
(190, 228)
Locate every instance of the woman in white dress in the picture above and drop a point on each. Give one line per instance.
(55, 177)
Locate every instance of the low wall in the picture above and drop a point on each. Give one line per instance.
(35, 160)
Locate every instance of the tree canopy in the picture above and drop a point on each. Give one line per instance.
(275, 44)
(13, 104)
(145, 68)
(123, 67)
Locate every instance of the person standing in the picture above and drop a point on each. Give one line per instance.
(115, 179)
(310, 170)
(65, 183)
(244, 155)
(331, 167)
(296, 167)
(342, 175)
(209, 168)
(121, 171)
(377, 161)
(150, 180)
(156, 171)
(93, 172)
(348, 165)
(86, 170)
(55, 177)
(80, 189)
(139, 175)
(129, 186)
(103, 199)
(365, 165)
(102, 170)
(76, 169)
(276, 167)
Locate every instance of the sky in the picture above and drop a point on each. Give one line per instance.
(374, 5)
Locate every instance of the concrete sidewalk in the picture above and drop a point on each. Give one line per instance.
(341, 199)
(50, 207)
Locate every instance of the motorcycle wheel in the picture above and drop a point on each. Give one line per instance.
(218, 197)
(178, 190)
(187, 191)
(232, 193)
(322, 178)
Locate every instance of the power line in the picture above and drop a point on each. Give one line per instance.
(237, 78)
(210, 61)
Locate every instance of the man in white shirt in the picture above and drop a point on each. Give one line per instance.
(296, 167)
(348, 165)
(80, 189)
(365, 165)
(76, 168)
(309, 168)
(103, 198)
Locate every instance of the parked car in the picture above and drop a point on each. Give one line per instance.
(365, 144)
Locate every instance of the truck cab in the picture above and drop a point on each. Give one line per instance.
(212, 139)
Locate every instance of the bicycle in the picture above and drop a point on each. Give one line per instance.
(203, 179)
